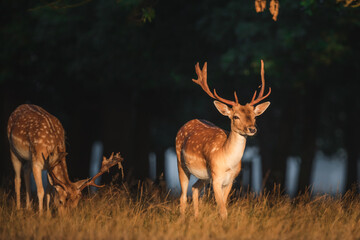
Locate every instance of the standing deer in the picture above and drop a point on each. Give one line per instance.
(211, 153)
(37, 142)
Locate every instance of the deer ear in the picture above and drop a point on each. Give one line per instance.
(260, 109)
(62, 155)
(222, 108)
(57, 161)
(56, 186)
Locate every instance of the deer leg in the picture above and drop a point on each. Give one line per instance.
(39, 186)
(226, 191)
(219, 197)
(48, 196)
(196, 189)
(17, 167)
(27, 172)
(184, 182)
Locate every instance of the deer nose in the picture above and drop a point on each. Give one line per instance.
(252, 129)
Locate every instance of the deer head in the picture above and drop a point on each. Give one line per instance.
(242, 116)
(68, 194)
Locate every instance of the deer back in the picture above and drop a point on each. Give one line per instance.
(35, 133)
(200, 138)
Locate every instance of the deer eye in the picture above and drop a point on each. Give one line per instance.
(61, 202)
(236, 117)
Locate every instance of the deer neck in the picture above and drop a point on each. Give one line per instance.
(234, 148)
(60, 172)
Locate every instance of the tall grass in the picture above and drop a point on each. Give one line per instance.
(148, 213)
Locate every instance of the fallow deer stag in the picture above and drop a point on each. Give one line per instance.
(37, 142)
(211, 153)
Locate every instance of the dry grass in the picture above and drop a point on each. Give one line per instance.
(114, 213)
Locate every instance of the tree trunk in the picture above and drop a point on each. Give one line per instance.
(276, 144)
(160, 160)
(141, 141)
(266, 151)
(285, 140)
(125, 129)
(351, 146)
(311, 112)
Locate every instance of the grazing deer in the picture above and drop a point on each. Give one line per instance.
(37, 142)
(211, 153)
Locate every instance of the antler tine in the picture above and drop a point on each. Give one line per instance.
(55, 180)
(60, 160)
(253, 98)
(262, 79)
(105, 166)
(232, 103)
(202, 81)
(261, 93)
(202, 78)
(236, 98)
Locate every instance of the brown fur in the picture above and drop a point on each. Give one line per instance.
(211, 153)
(37, 142)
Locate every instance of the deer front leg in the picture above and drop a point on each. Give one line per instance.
(48, 196)
(196, 189)
(17, 168)
(39, 186)
(226, 191)
(219, 197)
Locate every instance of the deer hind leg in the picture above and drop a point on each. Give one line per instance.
(196, 189)
(184, 182)
(39, 186)
(17, 167)
(27, 172)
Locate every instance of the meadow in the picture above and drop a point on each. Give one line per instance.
(147, 212)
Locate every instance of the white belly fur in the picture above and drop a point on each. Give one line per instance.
(200, 173)
(192, 164)
(22, 150)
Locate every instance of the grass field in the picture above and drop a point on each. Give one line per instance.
(147, 213)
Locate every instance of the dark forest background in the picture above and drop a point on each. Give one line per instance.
(120, 71)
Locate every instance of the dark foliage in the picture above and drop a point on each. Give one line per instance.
(120, 72)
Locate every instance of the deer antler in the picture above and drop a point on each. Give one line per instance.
(60, 160)
(57, 181)
(260, 96)
(105, 166)
(202, 81)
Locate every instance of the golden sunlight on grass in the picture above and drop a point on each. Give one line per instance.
(114, 213)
